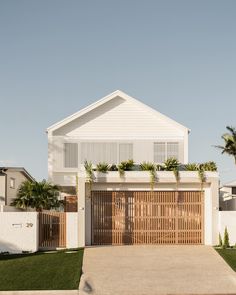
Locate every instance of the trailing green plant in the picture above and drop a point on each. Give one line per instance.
(170, 164)
(125, 166)
(147, 166)
(226, 238)
(89, 171)
(191, 167)
(176, 173)
(220, 241)
(102, 167)
(202, 177)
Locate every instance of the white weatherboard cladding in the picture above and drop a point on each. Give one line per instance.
(120, 118)
(138, 150)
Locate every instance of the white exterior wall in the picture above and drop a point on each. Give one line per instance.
(72, 233)
(118, 120)
(18, 232)
(228, 219)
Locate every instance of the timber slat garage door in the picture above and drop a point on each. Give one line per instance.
(138, 217)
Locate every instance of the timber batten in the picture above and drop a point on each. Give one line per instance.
(147, 217)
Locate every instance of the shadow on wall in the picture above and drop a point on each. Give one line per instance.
(8, 247)
(99, 111)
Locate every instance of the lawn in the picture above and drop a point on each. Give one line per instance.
(229, 256)
(41, 271)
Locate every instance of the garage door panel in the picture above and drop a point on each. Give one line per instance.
(165, 217)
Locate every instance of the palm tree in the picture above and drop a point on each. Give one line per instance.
(39, 195)
(229, 142)
(24, 195)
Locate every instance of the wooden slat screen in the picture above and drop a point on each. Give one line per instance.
(52, 230)
(147, 217)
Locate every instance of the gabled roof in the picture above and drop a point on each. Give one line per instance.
(117, 93)
(18, 169)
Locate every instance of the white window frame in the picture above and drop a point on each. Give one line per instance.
(105, 141)
(64, 155)
(166, 144)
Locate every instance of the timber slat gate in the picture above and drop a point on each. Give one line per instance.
(147, 217)
(52, 230)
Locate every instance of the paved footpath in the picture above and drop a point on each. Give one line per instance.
(51, 292)
(155, 270)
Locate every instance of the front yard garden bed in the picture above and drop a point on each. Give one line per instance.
(229, 255)
(41, 271)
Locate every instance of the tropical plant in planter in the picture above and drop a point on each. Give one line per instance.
(102, 167)
(147, 166)
(172, 164)
(191, 167)
(89, 171)
(125, 166)
(208, 166)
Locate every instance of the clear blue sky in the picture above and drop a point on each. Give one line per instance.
(59, 56)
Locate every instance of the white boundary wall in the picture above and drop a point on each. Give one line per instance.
(228, 219)
(18, 232)
(72, 232)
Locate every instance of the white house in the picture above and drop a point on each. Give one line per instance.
(125, 210)
(228, 196)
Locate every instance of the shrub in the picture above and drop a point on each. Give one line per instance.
(171, 164)
(208, 166)
(226, 238)
(191, 167)
(102, 167)
(125, 166)
(147, 166)
(220, 241)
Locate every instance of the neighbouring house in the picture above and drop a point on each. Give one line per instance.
(10, 180)
(124, 209)
(228, 196)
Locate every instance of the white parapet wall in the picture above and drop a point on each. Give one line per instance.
(18, 232)
(72, 232)
(228, 219)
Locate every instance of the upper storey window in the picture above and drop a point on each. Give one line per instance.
(165, 150)
(71, 155)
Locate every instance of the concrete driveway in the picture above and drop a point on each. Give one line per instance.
(148, 270)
